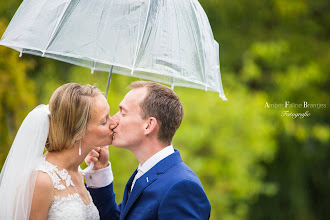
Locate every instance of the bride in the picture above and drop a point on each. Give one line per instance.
(34, 185)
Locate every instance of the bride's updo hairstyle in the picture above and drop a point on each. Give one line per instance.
(70, 111)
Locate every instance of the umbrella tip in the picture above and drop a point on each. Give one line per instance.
(93, 68)
(172, 85)
(21, 53)
(223, 97)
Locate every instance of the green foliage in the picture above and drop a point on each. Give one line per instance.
(279, 49)
(16, 95)
(225, 145)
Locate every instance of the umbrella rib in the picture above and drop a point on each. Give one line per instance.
(178, 35)
(56, 27)
(204, 73)
(221, 92)
(197, 51)
(139, 45)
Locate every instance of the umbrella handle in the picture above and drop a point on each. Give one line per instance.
(109, 81)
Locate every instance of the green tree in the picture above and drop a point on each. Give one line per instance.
(280, 49)
(17, 96)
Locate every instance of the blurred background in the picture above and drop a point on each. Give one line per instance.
(254, 162)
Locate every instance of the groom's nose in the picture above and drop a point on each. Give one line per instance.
(113, 123)
(116, 117)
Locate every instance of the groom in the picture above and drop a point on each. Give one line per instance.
(162, 187)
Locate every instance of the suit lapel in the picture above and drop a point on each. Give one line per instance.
(140, 184)
(145, 180)
(127, 190)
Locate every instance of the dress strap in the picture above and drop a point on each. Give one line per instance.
(56, 175)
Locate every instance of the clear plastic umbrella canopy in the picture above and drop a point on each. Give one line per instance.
(168, 41)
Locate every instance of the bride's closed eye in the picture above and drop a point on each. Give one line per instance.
(105, 121)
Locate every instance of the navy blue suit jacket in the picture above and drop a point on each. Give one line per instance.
(169, 190)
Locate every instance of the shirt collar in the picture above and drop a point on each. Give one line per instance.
(153, 160)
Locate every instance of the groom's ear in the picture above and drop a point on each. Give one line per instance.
(151, 125)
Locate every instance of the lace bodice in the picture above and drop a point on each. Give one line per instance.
(70, 206)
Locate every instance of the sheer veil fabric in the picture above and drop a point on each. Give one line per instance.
(18, 177)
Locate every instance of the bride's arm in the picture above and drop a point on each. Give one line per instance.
(42, 197)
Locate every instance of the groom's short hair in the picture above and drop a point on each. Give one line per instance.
(162, 103)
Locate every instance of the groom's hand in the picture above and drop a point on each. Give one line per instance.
(99, 156)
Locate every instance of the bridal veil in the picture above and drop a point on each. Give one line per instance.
(18, 177)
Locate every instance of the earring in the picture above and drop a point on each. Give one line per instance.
(79, 148)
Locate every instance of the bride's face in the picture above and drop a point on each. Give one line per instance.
(99, 129)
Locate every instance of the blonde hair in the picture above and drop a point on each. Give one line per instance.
(70, 107)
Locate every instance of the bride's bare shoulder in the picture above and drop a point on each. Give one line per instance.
(42, 196)
(44, 184)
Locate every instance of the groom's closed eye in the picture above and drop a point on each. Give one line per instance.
(122, 111)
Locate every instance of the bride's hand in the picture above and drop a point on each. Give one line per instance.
(99, 156)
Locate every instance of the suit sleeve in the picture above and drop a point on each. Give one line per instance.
(105, 200)
(185, 200)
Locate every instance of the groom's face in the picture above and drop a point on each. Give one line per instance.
(129, 133)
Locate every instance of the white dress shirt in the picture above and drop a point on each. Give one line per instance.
(98, 178)
(104, 177)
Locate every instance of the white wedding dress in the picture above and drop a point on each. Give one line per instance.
(66, 205)
(19, 174)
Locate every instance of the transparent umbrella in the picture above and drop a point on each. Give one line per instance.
(168, 41)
